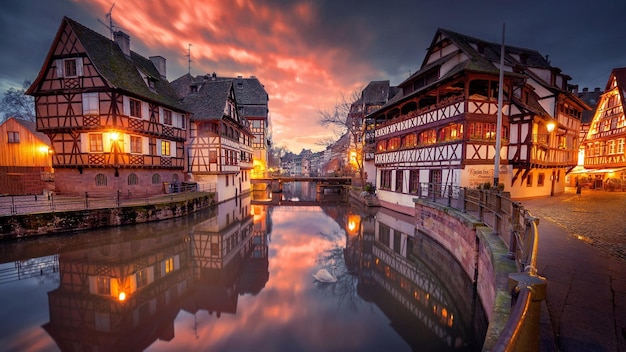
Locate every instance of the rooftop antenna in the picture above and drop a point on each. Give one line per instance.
(110, 26)
(189, 57)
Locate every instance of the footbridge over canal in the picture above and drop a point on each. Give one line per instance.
(322, 183)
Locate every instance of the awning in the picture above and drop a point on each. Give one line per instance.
(596, 171)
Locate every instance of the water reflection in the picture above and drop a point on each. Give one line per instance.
(239, 277)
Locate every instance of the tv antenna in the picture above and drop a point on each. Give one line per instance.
(189, 57)
(110, 26)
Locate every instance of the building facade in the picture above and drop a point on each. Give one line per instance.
(604, 165)
(442, 128)
(25, 163)
(219, 147)
(113, 120)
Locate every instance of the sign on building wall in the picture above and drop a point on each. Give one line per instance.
(475, 175)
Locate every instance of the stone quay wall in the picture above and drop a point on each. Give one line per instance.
(483, 256)
(43, 223)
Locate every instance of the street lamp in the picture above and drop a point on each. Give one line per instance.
(550, 127)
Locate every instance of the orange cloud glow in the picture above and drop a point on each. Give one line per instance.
(247, 38)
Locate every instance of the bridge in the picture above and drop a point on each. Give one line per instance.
(322, 183)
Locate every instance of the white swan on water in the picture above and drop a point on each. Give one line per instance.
(324, 275)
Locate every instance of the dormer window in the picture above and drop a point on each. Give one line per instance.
(151, 83)
(194, 89)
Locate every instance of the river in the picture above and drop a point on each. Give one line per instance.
(239, 277)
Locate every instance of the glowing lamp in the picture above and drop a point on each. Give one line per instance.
(114, 136)
(121, 297)
(44, 149)
(550, 127)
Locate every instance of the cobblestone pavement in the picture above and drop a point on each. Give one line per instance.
(581, 254)
(594, 216)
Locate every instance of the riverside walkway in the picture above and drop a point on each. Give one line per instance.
(582, 254)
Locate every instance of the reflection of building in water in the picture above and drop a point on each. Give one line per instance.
(220, 246)
(256, 269)
(126, 294)
(400, 284)
(123, 295)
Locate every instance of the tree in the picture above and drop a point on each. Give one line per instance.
(348, 116)
(16, 103)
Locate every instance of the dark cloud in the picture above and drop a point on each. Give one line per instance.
(308, 53)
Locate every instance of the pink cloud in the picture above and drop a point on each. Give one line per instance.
(247, 38)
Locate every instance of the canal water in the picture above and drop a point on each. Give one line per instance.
(240, 277)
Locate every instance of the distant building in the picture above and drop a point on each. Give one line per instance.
(25, 161)
(440, 133)
(604, 155)
(114, 122)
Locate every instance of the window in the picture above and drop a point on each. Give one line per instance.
(167, 117)
(620, 146)
(385, 179)
(101, 180)
(540, 179)
(410, 140)
(213, 156)
(451, 132)
(165, 148)
(414, 181)
(485, 131)
(427, 137)
(135, 144)
(399, 179)
(13, 136)
(156, 179)
(394, 143)
(142, 278)
(70, 68)
(169, 265)
(135, 108)
(133, 180)
(183, 121)
(529, 180)
(103, 285)
(91, 104)
(95, 143)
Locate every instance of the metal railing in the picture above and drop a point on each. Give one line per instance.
(505, 217)
(52, 202)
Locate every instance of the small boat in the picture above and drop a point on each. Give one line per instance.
(324, 275)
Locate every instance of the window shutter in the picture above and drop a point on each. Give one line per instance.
(79, 67)
(59, 67)
(126, 106)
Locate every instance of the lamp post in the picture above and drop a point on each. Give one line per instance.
(496, 167)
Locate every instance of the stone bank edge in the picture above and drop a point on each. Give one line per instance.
(482, 254)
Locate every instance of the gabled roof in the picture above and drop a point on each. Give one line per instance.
(32, 127)
(209, 102)
(119, 71)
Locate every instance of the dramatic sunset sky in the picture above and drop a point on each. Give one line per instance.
(310, 53)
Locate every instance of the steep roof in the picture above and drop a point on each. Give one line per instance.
(119, 71)
(209, 101)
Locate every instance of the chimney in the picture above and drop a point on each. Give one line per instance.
(159, 63)
(585, 90)
(597, 89)
(123, 41)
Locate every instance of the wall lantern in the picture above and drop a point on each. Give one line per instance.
(550, 127)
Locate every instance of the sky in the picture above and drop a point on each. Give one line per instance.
(310, 53)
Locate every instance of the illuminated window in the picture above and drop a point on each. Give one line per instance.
(103, 285)
(393, 143)
(165, 148)
(133, 180)
(410, 140)
(135, 108)
(95, 143)
(13, 137)
(427, 137)
(620, 146)
(91, 104)
(169, 265)
(451, 132)
(167, 117)
(381, 146)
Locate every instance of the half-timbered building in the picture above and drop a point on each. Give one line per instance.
(442, 128)
(604, 153)
(114, 122)
(220, 141)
